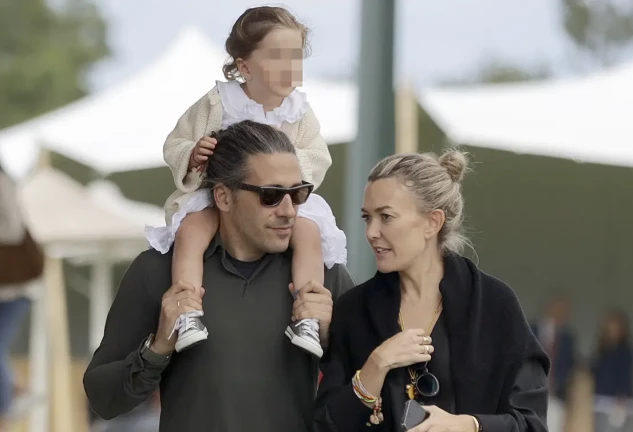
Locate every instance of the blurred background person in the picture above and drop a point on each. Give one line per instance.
(557, 338)
(612, 369)
(21, 266)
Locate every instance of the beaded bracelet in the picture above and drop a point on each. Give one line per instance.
(360, 390)
(363, 394)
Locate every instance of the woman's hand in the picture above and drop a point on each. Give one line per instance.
(404, 349)
(441, 421)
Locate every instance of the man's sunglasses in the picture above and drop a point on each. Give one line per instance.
(272, 196)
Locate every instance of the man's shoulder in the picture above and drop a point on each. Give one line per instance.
(152, 267)
(152, 258)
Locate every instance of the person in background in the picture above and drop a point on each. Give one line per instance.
(612, 366)
(21, 266)
(612, 370)
(557, 338)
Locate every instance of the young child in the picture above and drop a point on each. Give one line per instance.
(267, 47)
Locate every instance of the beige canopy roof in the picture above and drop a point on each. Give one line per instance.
(59, 209)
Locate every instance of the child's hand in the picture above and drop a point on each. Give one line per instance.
(201, 152)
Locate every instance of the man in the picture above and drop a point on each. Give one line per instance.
(557, 339)
(246, 376)
(21, 268)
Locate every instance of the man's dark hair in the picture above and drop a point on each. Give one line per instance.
(229, 163)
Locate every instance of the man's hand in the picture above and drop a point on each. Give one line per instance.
(314, 301)
(182, 297)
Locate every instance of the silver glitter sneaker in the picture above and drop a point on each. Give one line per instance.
(305, 335)
(191, 331)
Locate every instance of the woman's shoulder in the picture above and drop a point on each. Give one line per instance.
(357, 295)
(497, 288)
(489, 286)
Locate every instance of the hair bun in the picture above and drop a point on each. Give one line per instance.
(455, 163)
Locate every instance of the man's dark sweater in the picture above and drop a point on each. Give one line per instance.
(246, 376)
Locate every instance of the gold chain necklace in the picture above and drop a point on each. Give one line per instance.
(413, 374)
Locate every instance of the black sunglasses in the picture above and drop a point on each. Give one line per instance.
(427, 384)
(272, 196)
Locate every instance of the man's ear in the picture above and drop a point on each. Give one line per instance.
(222, 197)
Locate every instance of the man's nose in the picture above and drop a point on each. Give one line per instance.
(286, 208)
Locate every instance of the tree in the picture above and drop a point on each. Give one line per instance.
(498, 72)
(600, 28)
(45, 55)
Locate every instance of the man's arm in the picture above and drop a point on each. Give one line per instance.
(118, 379)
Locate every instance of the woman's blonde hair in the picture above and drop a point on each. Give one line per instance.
(436, 181)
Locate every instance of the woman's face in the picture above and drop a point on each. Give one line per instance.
(396, 230)
(613, 329)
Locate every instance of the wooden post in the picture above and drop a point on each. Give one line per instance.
(580, 411)
(60, 386)
(406, 120)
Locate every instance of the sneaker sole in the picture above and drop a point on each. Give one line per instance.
(191, 340)
(304, 344)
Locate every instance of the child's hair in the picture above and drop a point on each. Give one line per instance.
(251, 28)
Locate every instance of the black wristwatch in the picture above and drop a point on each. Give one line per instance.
(150, 356)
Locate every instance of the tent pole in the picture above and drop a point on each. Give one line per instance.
(375, 138)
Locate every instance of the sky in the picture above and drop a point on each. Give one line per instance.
(434, 40)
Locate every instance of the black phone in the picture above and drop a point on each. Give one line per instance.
(413, 415)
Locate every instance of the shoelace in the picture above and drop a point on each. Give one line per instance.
(309, 326)
(185, 322)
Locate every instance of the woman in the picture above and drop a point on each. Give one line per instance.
(21, 264)
(613, 366)
(612, 371)
(429, 326)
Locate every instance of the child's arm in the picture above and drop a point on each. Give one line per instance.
(307, 259)
(192, 239)
(181, 142)
(312, 151)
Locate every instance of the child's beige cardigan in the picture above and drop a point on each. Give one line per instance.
(204, 117)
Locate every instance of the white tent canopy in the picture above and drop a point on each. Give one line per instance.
(58, 209)
(124, 127)
(108, 195)
(585, 119)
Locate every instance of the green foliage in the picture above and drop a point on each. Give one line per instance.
(45, 55)
(600, 28)
(498, 72)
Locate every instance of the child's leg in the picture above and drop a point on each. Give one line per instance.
(307, 261)
(192, 239)
(307, 265)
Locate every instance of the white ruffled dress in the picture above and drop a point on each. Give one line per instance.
(238, 107)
